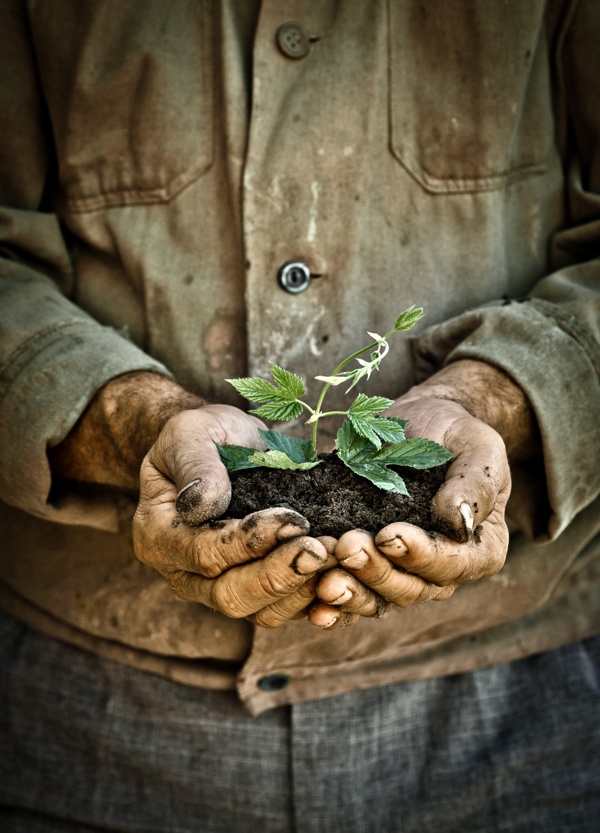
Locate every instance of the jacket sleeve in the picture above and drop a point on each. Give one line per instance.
(53, 356)
(549, 342)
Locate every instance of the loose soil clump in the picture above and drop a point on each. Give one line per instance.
(334, 499)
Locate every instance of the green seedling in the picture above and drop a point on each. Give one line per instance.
(366, 442)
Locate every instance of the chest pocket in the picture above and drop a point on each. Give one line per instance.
(129, 87)
(470, 102)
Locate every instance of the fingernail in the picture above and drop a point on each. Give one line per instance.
(329, 619)
(346, 596)
(393, 546)
(467, 514)
(198, 503)
(290, 531)
(189, 502)
(306, 563)
(356, 561)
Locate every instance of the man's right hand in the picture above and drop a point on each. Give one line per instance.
(263, 567)
(143, 431)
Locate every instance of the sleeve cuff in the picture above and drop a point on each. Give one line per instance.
(45, 386)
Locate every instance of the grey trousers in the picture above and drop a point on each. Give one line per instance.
(90, 745)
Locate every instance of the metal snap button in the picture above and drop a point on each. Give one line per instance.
(293, 39)
(274, 682)
(294, 276)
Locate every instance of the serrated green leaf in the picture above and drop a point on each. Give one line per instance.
(379, 429)
(363, 416)
(408, 318)
(418, 453)
(236, 457)
(349, 443)
(289, 384)
(365, 459)
(365, 429)
(368, 406)
(277, 403)
(388, 429)
(298, 450)
(255, 389)
(378, 474)
(280, 460)
(279, 411)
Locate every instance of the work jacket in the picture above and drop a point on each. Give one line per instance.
(160, 163)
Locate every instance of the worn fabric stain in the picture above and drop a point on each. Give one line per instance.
(219, 342)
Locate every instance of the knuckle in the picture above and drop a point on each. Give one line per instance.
(493, 565)
(370, 605)
(443, 593)
(203, 559)
(227, 601)
(214, 548)
(425, 593)
(276, 585)
(268, 618)
(414, 591)
(179, 584)
(381, 579)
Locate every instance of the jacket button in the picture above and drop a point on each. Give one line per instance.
(293, 39)
(274, 682)
(294, 276)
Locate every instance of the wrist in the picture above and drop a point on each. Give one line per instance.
(117, 429)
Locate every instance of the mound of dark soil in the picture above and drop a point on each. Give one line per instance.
(334, 499)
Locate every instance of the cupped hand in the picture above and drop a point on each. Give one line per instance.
(262, 567)
(404, 565)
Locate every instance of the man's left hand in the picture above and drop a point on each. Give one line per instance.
(404, 565)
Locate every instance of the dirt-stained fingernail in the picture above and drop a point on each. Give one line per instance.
(195, 507)
(356, 561)
(393, 546)
(291, 530)
(345, 597)
(467, 514)
(306, 563)
(189, 502)
(328, 619)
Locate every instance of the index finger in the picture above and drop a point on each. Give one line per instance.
(164, 541)
(248, 588)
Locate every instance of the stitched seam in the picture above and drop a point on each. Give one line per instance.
(25, 347)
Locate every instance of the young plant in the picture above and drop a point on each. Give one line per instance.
(367, 442)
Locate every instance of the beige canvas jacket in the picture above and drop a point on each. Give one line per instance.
(160, 161)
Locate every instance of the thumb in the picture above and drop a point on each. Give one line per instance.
(477, 482)
(186, 453)
(207, 495)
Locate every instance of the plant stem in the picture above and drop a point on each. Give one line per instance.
(317, 412)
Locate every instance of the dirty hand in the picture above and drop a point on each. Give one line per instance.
(145, 433)
(479, 415)
(262, 567)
